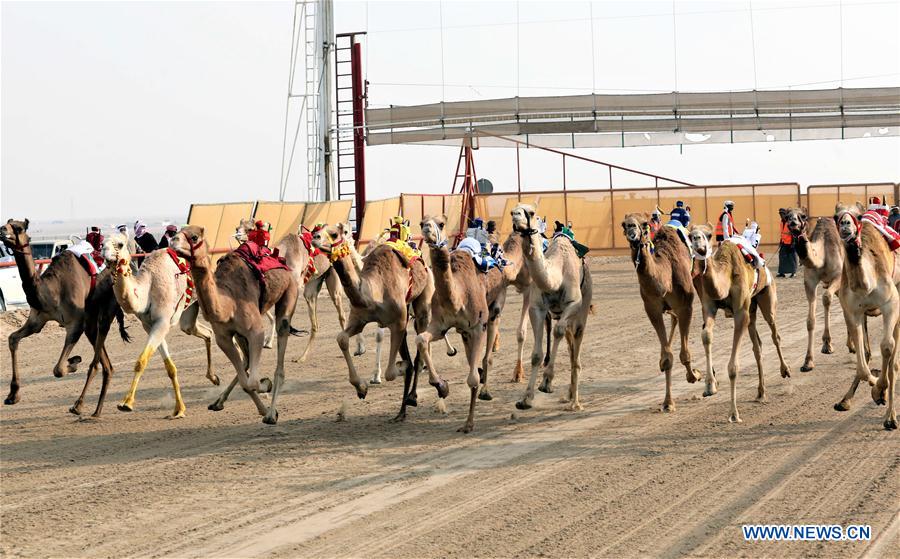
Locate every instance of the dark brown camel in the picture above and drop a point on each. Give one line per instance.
(63, 293)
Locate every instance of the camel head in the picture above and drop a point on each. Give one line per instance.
(700, 236)
(330, 239)
(797, 220)
(523, 220)
(635, 226)
(13, 234)
(433, 230)
(115, 252)
(190, 243)
(240, 232)
(846, 217)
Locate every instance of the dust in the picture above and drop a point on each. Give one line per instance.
(440, 407)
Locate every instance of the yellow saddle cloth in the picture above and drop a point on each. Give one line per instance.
(409, 253)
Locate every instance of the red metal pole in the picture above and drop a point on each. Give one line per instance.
(359, 133)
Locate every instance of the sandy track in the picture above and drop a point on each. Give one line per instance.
(618, 479)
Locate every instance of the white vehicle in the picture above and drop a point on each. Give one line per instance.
(11, 292)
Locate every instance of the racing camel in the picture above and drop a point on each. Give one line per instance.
(728, 281)
(235, 300)
(79, 300)
(666, 286)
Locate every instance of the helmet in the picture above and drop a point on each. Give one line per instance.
(729, 204)
(679, 204)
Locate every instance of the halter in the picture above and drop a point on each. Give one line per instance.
(20, 248)
(336, 252)
(531, 230)
(856, 223)
(192, 246)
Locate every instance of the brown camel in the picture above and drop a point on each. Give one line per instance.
(235, 302)
(381, 292)
(822, 256)
(727, 281)
(464, 299)
(159, 295)
(664, 277)
(869, 283)
(561, 288)
(64, 293)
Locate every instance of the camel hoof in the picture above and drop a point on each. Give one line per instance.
(482, 378)
(843, 405)
(271, 418)
(359, 351)
(807, 367)
(467, 428)
(827, 349)
(709, 392)
(546, 387)
(74, 362)
(213, 378)
(375, 380)
(268, 345)
(762, 399)
(399, 418)
(443, 389)
(668, 407)
(76, 409)
(890, 424)
(298, 333)
(523, 405)
(693, 375)
(412, 400)
(452, 352)
(125, 407)
(265, 385)
(216, 406)
(485, 395)
(12, 399)
(878, 395)
(735, 419)
(786, 372)
(177, 415)
(575, 406)
(362, 390)
(546, 360)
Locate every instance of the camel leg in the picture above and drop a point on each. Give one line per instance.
(379, 340)
(889, 316)
(706, 336)
(423, 347)
(685, 316)
(354, 327)
(519, 374)
(91, 332)
(496, 346)
(65, 365)
(474, 345)
(756, 342)
(270, 331)
(172, 371)
(191, 326)
(863, 373)
(492, 336)
(311, 296)
(890, 414)
(33, 325)
(768, 302)
(284, 330)
(333, 284)
(809, 287)
(408, 368)
(537, 316)
(740, 326)
(827, 298)
(240, 344)
(674, 325)
(666, 357)
(155, 336)
(550, 364)
(241, 366)
(575, 340)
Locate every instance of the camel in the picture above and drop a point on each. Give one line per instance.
(234, 302)
(381, 292)
(561, 287)
(159, 295)
(66, 293)
(869, 282)
(822, 256)
(464, 299)
(666, 286)
(311, 277)
(725, 280)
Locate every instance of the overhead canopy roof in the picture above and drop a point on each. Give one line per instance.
(646, 119)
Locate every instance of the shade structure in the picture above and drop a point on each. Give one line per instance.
(645, 119)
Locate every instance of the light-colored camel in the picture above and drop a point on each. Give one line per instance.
(381, 292)
(310, 279)
(727, 281)
(664, 278)
(561, 287)
(869, 282)
(67, 294)
(235, 302)
(822, 256)
(156, 295)
(464, 299)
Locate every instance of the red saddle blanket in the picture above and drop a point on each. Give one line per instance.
(891, 236)
(260, 259)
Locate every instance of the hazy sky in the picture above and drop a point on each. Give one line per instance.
(130, 108)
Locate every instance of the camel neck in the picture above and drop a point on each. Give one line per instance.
(515, 264)
(713, 276)
(350, 280)
(810, 251)
(213, 305)
(443, 276)
(537, 264)
(28, 275)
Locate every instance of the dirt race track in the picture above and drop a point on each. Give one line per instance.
(618, 479)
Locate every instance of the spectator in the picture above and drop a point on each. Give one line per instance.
(681, 214)
(787, 249)
(655, 222)
(123, 230)
(894, 218)
(171, 231)
(725, 225)
(144, 240)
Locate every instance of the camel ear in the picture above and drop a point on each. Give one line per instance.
(25, 224)
(8, 221)
(202, 231)
(304, 228)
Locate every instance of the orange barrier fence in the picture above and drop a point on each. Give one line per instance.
(822, 198)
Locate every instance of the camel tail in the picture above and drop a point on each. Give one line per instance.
(123, 331)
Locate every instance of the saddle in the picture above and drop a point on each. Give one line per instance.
(84, 253)
(891, 237)
(260, 260)
(682, 232)
(483, 261)
(580, 249)
(306, 238)
(184, 268)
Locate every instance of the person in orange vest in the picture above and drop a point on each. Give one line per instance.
(725, 225)
(260, 235)
(787, 249)
(655, 223)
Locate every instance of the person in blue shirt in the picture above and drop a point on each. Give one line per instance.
(680, 213)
